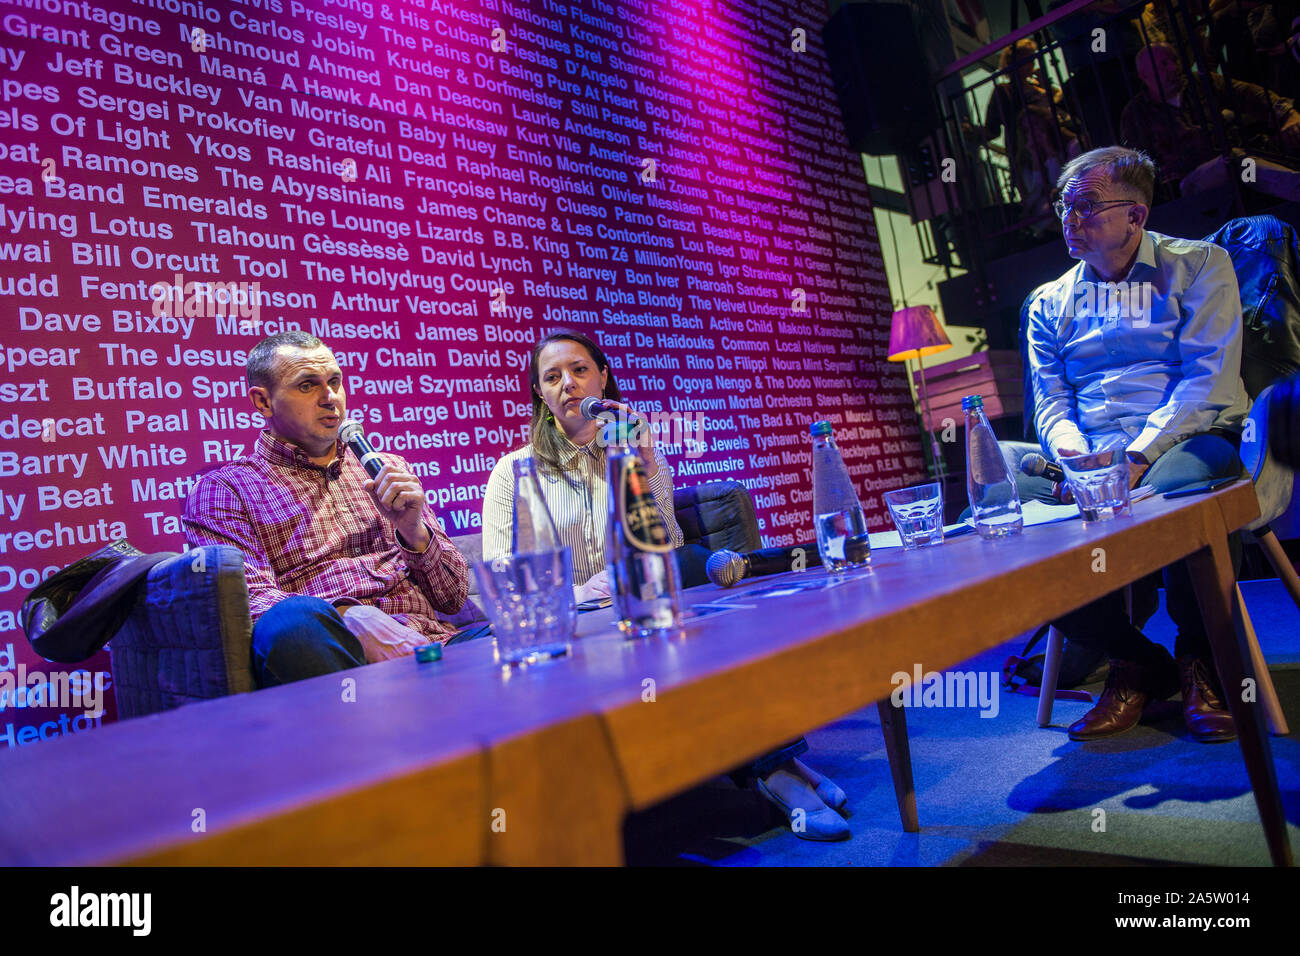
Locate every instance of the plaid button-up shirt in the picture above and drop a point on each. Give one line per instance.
(307, 529)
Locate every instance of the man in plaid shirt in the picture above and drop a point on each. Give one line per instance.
(341, 570)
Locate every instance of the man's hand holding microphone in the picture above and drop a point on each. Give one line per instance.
(1039, 466)
(398, 495)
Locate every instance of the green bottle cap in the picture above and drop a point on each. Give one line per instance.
(428, 653)
(972, 401)
(818, 429)
(616, 433)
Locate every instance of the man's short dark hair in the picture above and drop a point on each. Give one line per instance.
(261, 359)
(1131, 168)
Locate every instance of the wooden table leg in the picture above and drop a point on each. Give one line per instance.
(1267, 692)
(1216, 592)
(1051, 674)
(893, 722)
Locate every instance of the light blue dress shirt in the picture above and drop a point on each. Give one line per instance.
(1144, 362)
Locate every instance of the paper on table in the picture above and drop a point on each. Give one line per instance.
(1035, 512)
(891, 539)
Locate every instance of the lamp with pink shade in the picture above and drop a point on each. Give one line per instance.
(915, 332)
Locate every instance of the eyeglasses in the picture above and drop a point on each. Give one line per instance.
(1087, 208)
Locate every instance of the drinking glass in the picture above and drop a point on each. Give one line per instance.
(917, 514)
(528, 598)
(1099, 482)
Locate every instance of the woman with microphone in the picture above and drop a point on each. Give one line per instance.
(567, 367)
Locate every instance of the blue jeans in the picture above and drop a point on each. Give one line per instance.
(1104, 624)
(302, 637)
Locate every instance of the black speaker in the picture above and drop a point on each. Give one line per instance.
(880, 77)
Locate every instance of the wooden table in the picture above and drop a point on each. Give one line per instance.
(459, 762)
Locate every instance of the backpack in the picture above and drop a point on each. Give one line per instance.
(1023, 673)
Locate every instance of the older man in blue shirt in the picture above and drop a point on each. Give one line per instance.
(1139, 347)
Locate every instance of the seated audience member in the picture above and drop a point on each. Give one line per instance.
(1188, 29)
(1159, 377)
(342, 570)
(1167, 119)
(1096, 72)
(1039, 132)
(1257, 38)
(565, 368)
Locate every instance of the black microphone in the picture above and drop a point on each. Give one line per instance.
(603, 410)
(726, 568)
(353, 435)
(1035, 465)
(593, 409)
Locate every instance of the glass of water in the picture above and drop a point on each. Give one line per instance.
(917, 514)
(842, 540)
(528, 598)
(1099, 482)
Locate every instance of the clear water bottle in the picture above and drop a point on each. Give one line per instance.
(994, 501)
(532, 529)
(642, 563)
(837, 513)
(532, 588)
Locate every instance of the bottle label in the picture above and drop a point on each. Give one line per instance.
(644, 526)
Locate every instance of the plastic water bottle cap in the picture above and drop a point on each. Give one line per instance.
(819, 429)
(616, 433)
(428, 653)
(972, 401)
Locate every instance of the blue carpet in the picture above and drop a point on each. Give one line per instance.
(1002, 791)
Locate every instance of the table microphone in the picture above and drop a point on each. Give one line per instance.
(726, 568)
(353, 435)
(1037, 466)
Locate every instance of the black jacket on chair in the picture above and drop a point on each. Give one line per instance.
(73, 613)
(1265, 254)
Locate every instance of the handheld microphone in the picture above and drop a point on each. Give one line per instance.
(726, 568)
(353, 435)
(596, 409)
(1036, 466)
(592, 408)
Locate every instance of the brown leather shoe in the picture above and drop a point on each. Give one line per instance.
(1120, 705)
(1204, 712)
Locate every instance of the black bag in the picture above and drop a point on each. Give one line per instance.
(1079, 665)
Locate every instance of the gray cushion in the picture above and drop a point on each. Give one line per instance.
(189, 636)
(471, 548)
